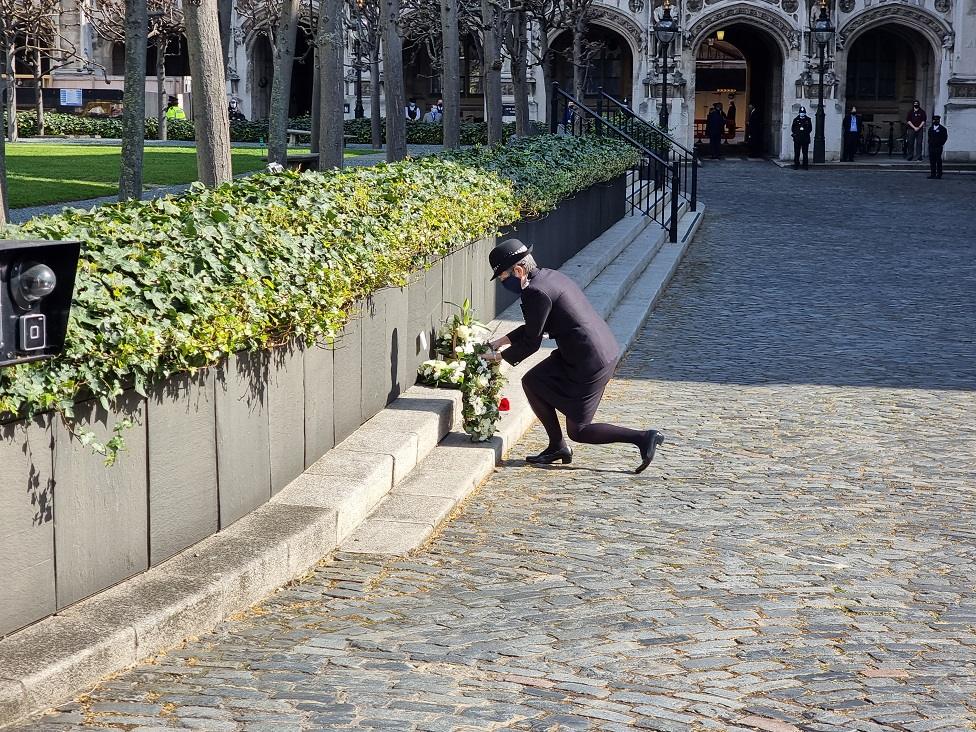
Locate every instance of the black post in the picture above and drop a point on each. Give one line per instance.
(663, 117)
(359, 112)
(554, 109)
(675, 187)
(819, 144)
(891, 137)
(694, 183)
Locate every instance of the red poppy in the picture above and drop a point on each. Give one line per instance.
(503, 405)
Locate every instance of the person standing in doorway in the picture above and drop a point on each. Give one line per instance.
(916, 130)
(801, 129)
(714, 127)
(754, 132)
(730, 119)
(573, 378)
(937, 140)
(852, 134)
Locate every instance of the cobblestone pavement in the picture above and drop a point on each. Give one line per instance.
(799, 557)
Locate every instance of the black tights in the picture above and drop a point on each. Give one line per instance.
(590, 434)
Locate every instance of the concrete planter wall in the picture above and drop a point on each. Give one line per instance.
(205, 450)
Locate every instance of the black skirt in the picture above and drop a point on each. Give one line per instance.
(558, 384)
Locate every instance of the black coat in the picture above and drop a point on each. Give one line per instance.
(572, 379)
(715, 124)
(937, 139)
(847, 124)
(801, 129)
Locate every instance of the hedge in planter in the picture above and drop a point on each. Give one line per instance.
(176, 284)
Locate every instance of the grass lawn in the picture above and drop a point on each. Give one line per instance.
(39, 174)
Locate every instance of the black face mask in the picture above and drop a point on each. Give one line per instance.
(512, 284)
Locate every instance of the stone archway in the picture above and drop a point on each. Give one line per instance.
(611, 67)
(908, 42)
(939, 34)
(765, 39)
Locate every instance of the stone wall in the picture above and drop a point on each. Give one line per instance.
(207, 449)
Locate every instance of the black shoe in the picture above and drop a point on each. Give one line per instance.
(652, 440)
(931, 177)
(796, 167)
(806, 167)
(939, 176)
(547, 457)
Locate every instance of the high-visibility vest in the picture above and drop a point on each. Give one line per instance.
(175, 113)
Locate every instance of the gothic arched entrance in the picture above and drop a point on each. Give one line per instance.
(747, 63)
(609, 62)
(888, 67)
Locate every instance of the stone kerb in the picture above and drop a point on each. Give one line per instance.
(208, 450)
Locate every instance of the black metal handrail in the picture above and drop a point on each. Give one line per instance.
(618, 113)
(653, 178)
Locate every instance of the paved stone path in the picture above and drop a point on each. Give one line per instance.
(800, 557)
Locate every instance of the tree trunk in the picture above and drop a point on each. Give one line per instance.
(281, 82)
(39, 87)
(12, 132)
(519, 56)
(225, 10)
(332, 89)
(315, 126)
(375, 111)
(396, 121)
(4, 216)
(162, 123)
(579, 68)
(133, 101)
(210, 120)
(451, 78)
(492, 70)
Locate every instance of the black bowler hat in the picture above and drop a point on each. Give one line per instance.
(506, 254)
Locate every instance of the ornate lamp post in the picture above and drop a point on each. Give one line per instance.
(666, 29)
(823, 32)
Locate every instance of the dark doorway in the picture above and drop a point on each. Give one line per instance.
(887, 69)
(762, 75)
(611, 63)
(302, 76)
(262, 74)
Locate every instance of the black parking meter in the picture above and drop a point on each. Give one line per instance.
(37, 280)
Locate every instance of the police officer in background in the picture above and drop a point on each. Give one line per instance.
(573, 378)
(938, 136)
(801, 129)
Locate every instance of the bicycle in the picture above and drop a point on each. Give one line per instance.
(870, 143)
(897, 144)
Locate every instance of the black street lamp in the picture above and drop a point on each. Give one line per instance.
(823, 32)
(666, 29)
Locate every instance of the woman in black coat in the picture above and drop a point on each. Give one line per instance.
(573, 378)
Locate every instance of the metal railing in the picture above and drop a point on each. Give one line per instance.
(655, 138)
(653, 185)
